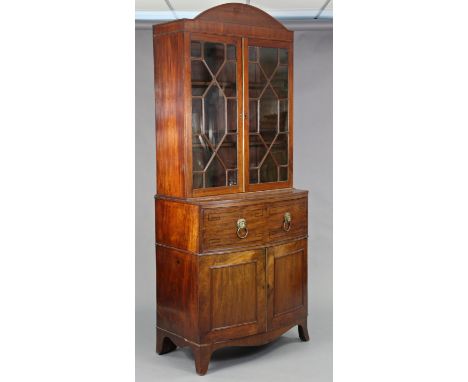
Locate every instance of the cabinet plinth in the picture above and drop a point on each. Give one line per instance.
(231, 231)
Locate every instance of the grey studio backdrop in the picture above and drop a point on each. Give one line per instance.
(287, 357)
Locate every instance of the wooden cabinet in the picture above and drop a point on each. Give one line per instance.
(231, 232)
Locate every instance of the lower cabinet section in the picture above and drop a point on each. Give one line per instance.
(209, 301)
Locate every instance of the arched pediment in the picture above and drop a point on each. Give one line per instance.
(242, 14)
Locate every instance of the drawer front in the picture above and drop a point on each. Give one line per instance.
(220, 227)
(279, 228)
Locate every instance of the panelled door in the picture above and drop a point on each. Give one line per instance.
(286, 283)
(232, 294)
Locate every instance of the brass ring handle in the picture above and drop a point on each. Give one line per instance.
(242, 230)
(287, 221)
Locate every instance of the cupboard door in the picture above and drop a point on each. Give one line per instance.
(268, 96)
(216, 99)
(287, 283)
(232, 295)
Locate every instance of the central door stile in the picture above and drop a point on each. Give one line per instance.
(245, 110)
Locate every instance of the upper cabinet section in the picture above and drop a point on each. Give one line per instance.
(223, 103)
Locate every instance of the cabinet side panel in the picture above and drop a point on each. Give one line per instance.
(177, 225)
(177, 292)
(169, 55)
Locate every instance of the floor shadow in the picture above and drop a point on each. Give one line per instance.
(230, 356)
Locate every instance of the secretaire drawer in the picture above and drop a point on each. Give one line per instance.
(230, 227)
(287, 219)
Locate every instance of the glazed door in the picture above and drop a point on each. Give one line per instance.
(287, 283)
(232, 300)
(241, 114)
(268, 93)
(216, 114)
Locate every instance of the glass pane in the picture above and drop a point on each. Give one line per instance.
(253, 117)
(253, 176)
(268, 60)
(201, 78)
(268, 171)
(227, 79)
(283, 55)
(201, 153)
(232, 177)
(231, 115)
(279, 150)
(257, 150)
(252, 53)
(257, 81)
(195, 49)
(215, 175)
(268, 115)
(196, 116)
(280, 82)
(215, 124)
(214, 55)
(231, 52)
(228, 151)
(283, 115)
(198, 180)
(283, 174)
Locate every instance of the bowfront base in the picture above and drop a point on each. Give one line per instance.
(167, 342)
